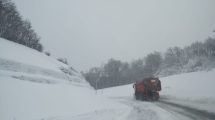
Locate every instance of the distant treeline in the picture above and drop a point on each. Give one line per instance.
(14, 28)
(198, 56)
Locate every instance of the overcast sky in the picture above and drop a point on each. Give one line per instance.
(89, 32)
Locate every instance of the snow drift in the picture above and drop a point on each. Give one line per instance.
(35, 86)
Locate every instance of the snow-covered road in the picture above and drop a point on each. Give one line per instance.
(188, 96)
(163, 110)
(144, 110)
(182, 110)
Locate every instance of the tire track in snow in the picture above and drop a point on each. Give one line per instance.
(143, 110)
(192, 113)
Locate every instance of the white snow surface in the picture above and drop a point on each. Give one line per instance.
(22, 60)
(23, 100)
(19, 53)
(34, 86)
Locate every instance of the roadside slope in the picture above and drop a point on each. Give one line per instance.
(34, 86)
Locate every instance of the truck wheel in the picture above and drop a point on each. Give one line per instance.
(137, 96)
(142, 97)
(155, 96)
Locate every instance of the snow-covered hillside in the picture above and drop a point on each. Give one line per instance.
(27, 64)
(34, 86)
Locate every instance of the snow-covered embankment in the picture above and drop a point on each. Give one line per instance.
(35, 86)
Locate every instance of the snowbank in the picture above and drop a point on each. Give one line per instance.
(25, 100)
(34, 86)
(191, 89)
(196, 85)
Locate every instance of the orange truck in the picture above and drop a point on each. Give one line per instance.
(147, 89)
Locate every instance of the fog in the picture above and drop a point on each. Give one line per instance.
(89, 32)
